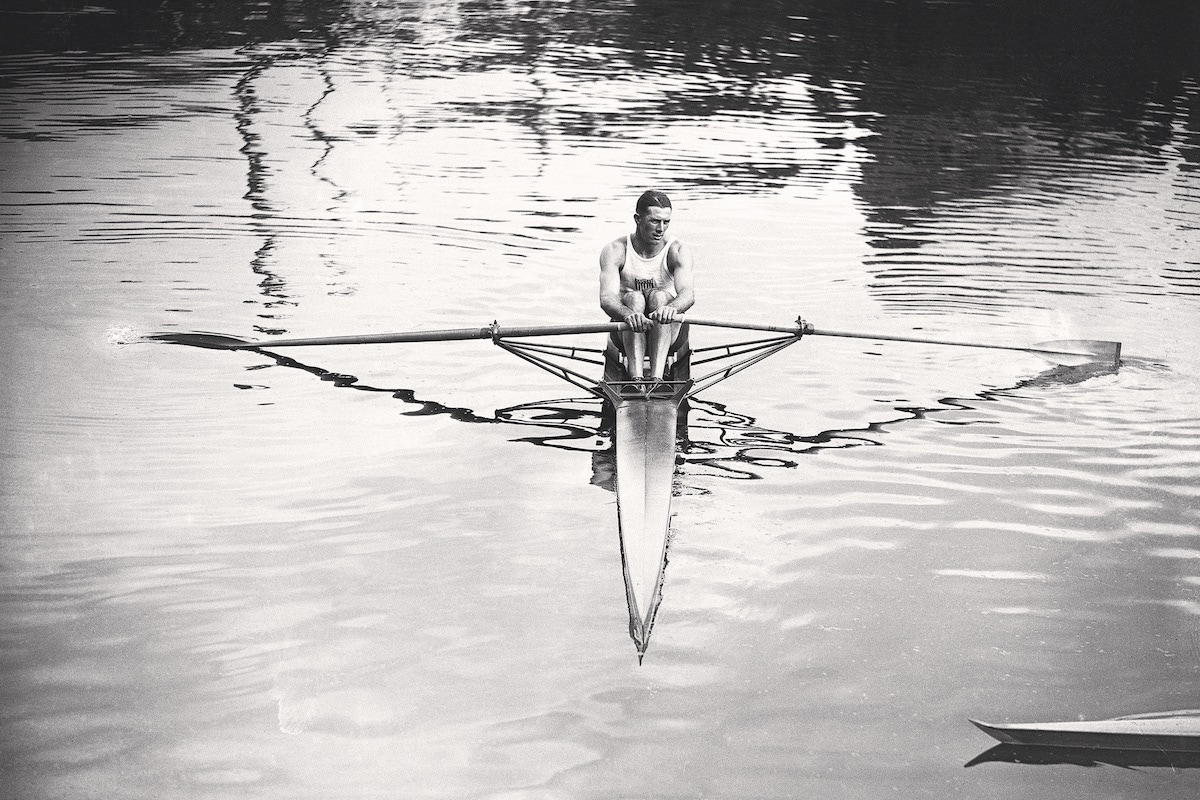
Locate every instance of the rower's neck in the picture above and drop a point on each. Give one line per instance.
(645, 249)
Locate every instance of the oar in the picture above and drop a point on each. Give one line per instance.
(217, 341)
(1068, 352)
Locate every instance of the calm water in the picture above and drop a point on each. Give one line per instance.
(387, 572)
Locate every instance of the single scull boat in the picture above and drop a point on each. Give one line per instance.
(644, 414)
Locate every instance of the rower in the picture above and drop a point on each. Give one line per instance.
(646, 281)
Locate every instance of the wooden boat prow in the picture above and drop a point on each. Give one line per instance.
(1176, 731)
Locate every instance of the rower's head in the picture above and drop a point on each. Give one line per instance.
(652, 216)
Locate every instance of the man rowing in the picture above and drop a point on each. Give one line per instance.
(646, 281)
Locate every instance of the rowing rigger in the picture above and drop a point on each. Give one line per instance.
(645, 413)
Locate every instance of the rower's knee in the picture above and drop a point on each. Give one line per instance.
(658, 298)
(635, 301)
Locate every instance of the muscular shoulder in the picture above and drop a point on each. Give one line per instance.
(677, 254)
(613, 253)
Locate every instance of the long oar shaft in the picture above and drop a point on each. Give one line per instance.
(923, 340)
(809, 330)
(456, 334)
(746, 326)
(451, 335)
(1049, 348)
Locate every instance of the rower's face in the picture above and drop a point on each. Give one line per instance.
(652, 226)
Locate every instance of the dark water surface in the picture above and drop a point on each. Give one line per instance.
(392, 571)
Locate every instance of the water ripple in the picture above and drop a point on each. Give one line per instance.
(992, 575)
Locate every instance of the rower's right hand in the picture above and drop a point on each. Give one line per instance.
(637, 322)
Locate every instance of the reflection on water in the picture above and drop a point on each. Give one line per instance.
(713, 440)
(1082, 757)
(217, 582)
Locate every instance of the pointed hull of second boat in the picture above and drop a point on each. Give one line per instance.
(1177, 733)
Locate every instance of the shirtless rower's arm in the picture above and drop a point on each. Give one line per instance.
(612, 258)
(679, 261)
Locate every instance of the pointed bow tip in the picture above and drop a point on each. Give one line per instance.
(641, 642)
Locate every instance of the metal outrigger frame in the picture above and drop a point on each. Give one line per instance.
(554, 359)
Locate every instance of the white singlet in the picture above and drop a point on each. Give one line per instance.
(647, 274)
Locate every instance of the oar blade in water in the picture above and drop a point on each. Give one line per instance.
(212, 341)
(1078, 352)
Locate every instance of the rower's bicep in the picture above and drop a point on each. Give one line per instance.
(680, 261)
(610, 273)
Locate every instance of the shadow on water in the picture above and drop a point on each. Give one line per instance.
(1084, 757)
(712, 440)
(346, 381)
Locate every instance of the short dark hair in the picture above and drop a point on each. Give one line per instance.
(651, 198)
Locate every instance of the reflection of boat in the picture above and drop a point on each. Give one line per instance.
(1173, 732)
(1084, 757)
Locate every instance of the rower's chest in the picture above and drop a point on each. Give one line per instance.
(637, 267)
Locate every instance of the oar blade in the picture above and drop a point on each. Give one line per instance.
(1079, 352)
(211, 341)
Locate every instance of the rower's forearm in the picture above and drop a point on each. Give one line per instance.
(614, 307)
(683, 301)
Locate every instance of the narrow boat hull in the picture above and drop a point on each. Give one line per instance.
(645, 428)
(1175, 733)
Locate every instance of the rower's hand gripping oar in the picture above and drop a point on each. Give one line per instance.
(1068, 352)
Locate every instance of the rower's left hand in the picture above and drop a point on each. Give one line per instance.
(664, 315)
